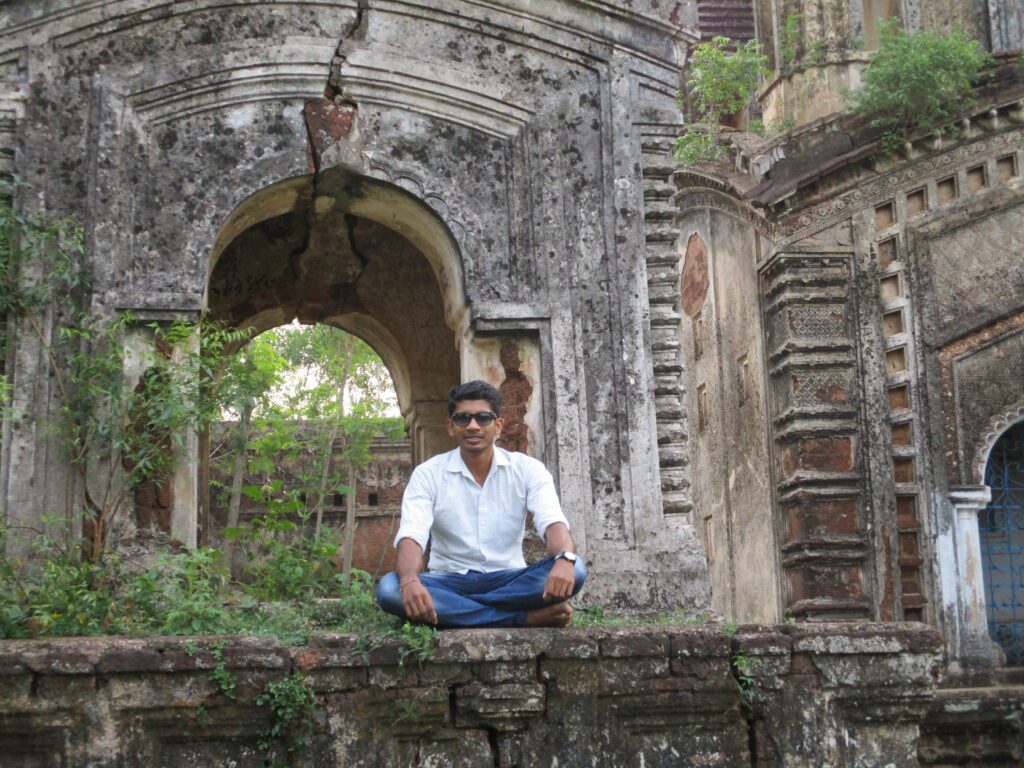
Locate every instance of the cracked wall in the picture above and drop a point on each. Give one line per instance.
(506, 143)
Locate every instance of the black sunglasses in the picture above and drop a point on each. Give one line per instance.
(483, 419)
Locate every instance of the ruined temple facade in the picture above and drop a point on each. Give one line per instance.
(769, 385)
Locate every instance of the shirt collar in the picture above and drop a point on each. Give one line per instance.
(456, 464)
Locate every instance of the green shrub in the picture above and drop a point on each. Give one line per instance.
(292, 705)
(180, 595)
(919, 81)
(723, 80)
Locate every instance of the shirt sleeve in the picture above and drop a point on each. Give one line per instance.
(417, 508)
(541, 498)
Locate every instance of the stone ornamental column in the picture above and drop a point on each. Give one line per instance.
(975, 650)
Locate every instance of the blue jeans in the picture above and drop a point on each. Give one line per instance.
(496, 599)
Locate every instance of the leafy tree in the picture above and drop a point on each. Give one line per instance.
(918, 81)
(330, 387)
(248, 376)
(723, 80)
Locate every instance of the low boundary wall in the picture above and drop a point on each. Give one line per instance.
(792, 695)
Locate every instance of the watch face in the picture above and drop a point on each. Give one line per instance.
(570, 556)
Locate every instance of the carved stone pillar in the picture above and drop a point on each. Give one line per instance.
(976, 654)
(819, 473)
(428, 429)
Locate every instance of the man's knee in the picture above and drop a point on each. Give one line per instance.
(580, 571)
(389, 596)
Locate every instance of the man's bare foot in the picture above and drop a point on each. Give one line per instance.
(557, 615)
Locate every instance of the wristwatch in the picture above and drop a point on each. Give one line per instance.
(569, 557)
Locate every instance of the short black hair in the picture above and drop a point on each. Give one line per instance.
(474, 390)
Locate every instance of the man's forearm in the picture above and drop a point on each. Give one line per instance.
(558, 538)
(410, 560)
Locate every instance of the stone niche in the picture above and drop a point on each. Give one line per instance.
(829, 695)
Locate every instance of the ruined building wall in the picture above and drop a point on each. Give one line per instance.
(819, 49)
(511, 144)
(723, 364)
(891, 290)
(830, 695)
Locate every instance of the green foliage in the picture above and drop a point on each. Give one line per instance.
(772, 129)
(418, 643)
(816, 54)
(918, 81)
(179, 595)
(283, 567)
(292, 706)
(697, 143)
(189, 593)
(219, 675)
(40, 260)
(723, 80)
(596, 616)
(742, 669)
(791, 38)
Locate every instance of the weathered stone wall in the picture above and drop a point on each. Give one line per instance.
(819, 48)
(723, 368)
(439, 178)
(892, 300)
(822, 696)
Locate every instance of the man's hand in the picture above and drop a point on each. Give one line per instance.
(560, 581)
(417, 602)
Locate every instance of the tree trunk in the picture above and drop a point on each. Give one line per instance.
(350, 528)
(237, 479)
(326, 470)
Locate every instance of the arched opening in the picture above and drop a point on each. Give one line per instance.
(358, 254)
(310, 446)
(1001, 529)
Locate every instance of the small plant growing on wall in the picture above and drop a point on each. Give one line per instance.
(918, 82)
(723, 81)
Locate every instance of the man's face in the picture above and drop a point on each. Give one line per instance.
(474, 438)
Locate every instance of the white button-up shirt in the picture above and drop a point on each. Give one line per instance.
(476, 527)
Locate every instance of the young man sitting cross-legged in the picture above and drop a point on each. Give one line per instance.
(472, 504)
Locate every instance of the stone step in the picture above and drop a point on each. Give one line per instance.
(664, 293)
(673, 456)
(666, 385)
(665, 322)
(660, 254)
(658, 168)
(662, 274)
(658, 213)
(668, 407)
(974, 726)
(665, 335)
(674, 479)
(1010, 675)
(657, 143)
(676, 502)
(658, 190)
(664, 314)
(671, 432)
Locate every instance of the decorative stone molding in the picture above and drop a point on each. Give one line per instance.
(999, 424)
(947, 357)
